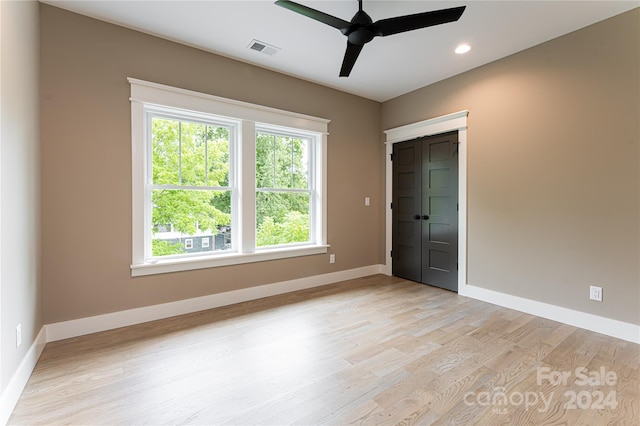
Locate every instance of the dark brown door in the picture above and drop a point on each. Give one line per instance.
(425, 210)
(406, 223)
(440, 211)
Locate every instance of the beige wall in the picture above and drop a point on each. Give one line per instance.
(20, 294)
(86, 167)
(553, 167)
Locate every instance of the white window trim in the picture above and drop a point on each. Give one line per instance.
(146, 94)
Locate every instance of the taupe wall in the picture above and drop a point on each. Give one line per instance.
(86, 167)
(554, 186)
(553, 167)
(20, 293)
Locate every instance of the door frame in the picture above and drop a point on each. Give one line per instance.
(445, 123)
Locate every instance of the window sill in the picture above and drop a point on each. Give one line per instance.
(191, 263)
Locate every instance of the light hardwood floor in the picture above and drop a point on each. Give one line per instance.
(376, 350)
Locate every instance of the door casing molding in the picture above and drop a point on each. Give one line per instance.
(446, 123)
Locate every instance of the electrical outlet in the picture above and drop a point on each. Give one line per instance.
(595, 293)
(367, 201)
(18, 335)
(332, 258)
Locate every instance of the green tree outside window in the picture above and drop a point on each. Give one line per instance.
(194, 156)
(283, 197)
(192, 189)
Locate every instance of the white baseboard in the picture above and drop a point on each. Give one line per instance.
(82, 326)
(17, 383)
(610, 327)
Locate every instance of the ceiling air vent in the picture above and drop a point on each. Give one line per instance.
(263, 47)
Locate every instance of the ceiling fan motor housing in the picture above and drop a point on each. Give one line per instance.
(359, 32)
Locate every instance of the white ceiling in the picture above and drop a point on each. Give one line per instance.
(387, 67)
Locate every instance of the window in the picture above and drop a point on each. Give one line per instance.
(234, 182)
(283, 191)
(190, 180)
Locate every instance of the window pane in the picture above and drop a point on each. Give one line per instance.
(264, 160)
(282, 147)
(282, 218)
(300, 155)
(281, 162)
(192, 154)
(182, 215)
(217, 156)
(166, 151)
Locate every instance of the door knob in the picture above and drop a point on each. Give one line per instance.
(416, 216)
(425, 217)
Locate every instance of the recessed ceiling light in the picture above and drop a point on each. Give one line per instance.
(463, 48)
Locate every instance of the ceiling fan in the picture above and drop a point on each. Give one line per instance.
(361, 29)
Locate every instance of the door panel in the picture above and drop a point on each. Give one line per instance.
(439, 178)
(425, 210)
(439, 260)
(439, 233)
(406, 245)
(438, 151)
(440, 211)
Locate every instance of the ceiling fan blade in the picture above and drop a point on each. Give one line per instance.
(314, 14)
(350, 56)
(400, 24)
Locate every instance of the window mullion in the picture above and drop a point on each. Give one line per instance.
(247, 187)
(275, 162)
(292, 162)
(190, 187)
(206, 155)
(180, 152)
(286, 190)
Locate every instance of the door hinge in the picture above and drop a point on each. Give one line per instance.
(458, 206)
(456, 266)
(391, 206)
(391, 156)
(391, 253)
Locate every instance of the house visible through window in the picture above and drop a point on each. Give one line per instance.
(219, 182)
